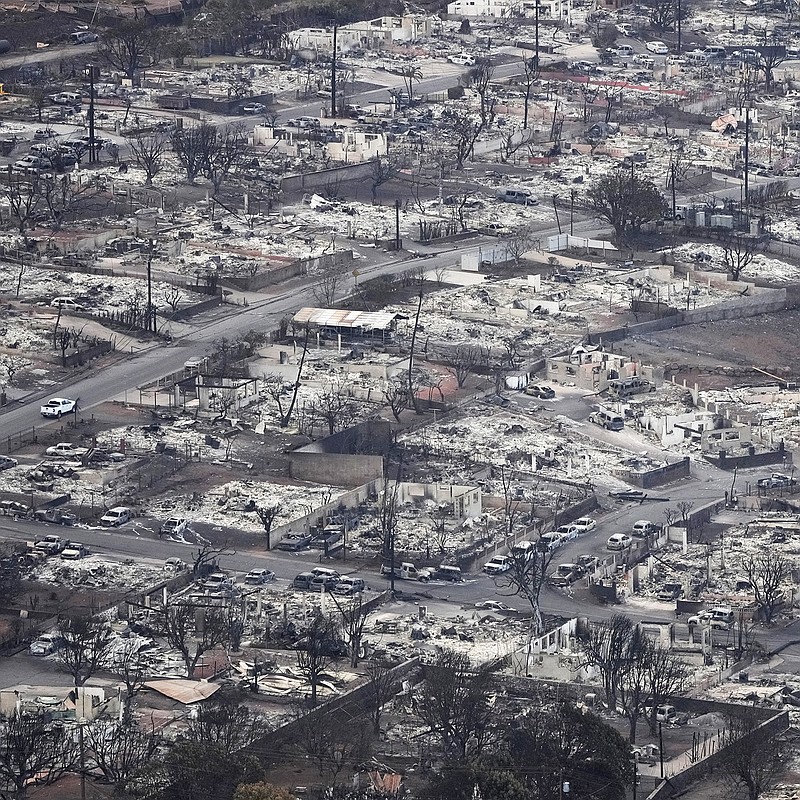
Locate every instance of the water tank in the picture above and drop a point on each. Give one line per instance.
(5, 45)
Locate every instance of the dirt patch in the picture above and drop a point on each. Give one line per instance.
(719, 354)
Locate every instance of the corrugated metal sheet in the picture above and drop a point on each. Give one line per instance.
(344, 318)
(186, 692)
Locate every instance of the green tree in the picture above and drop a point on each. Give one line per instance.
(454, 703)
(626, 201)
(132, 45)
(202, 771)
(567, 744)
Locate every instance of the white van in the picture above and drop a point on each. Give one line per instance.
(609, 420)
(714, 51)
(619, 541)
(697, 58)
(643, 528)
(625, 51)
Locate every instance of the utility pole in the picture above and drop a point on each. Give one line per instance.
(572, 193)
(746, 153)
(150, 316)
(678, 25)
(397, 224)
(555, 208)
(536, 28)
(672, 181)
(333, 74)
(92, 150)
(81, 723)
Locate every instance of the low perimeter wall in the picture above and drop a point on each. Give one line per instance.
(661, 475)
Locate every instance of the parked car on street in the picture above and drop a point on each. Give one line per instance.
(585, 524)
(51, 543)
(347, 584)
(74, 551)
(568, 532)
(116, 516)
(258, 577)
(619, 541)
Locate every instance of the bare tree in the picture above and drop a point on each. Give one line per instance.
(330, 278)
(268, 515)
(275, 388)
(62, 196)
(121, 750)
(612, 96)
(770, 57)
(454, 704)
(225, 151)
(148, 151)
(526, 578)
(132, 669)
(440, 517)
(633, 689)
(667, 675)
(605, 646)
(33, 749)
(532, 71)
(23, 195)
(380, 689)
(194, 630)
(750, 760)
(685, 509)
(172, 297)
(511, 503)
(335, 407)
(85, 646)
(589, 92)
(479, 78)
(664, 13)
(767, 572)
(192, 145)
(464, 130)
(387, 517)
(519, 243)
(207, 554)
(227, 723)
(384, 169)
(354, 618)
(316, 651)
(332, 745)
(396, 394)
(465, 359)
(738, 252)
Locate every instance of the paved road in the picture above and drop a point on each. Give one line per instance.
(47, 54)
